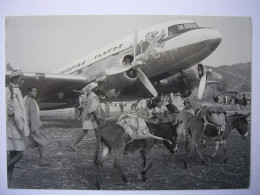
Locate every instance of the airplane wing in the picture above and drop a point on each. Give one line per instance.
(59, 90)
(53, 88)
(183, 82)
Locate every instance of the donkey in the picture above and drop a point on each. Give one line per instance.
(112, 138)
(197, 131)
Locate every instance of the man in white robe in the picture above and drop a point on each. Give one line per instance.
(92, 113)
(16, 123)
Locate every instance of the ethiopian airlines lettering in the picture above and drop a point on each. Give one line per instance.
(72, 68)
(150, 38)
(116, 48)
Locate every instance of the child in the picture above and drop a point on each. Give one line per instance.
(35, 125)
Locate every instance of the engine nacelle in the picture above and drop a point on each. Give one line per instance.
(185, 81)
(121, 80)
(110, 93)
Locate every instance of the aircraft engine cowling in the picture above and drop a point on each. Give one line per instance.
(121, 80)
(110, 93)
(184, 82)
(111, 88)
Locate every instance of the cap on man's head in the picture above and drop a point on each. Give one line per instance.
(15, 73)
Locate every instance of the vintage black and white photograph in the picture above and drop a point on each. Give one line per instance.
(128, 102)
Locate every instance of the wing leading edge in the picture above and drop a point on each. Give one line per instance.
(53, 88)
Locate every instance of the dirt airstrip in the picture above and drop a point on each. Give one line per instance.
(75, 170)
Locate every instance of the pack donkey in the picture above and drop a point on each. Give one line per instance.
(112, 139)
(198, 131)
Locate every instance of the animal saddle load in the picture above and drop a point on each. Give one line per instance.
(159, 118)
(216, 115)
(135, 127)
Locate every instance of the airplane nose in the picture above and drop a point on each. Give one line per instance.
(214, 38)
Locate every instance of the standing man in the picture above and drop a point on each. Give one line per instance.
(82, 103)
(107, 108)
(237, 103)
(92, 114)
(16, 123)
(35, 125)
(244, 100)
(122, 107)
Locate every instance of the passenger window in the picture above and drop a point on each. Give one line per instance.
(128, 59)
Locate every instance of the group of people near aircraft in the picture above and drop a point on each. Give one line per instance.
(23, 124)
(24, 127)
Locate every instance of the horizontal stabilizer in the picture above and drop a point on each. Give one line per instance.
(49, 76)
(9, 67)
(52, 88)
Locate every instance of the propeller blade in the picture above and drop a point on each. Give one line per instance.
(76, 91)
(137, 64)
(146, 82)
(202, 85)
(117, 69)
(213, 76)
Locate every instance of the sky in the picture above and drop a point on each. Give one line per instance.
(46, 43)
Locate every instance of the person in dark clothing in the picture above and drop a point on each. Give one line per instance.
(122, 107)
(237, 102)
(216, 99)
(244, 100)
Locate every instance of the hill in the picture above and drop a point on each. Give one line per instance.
(236, 77)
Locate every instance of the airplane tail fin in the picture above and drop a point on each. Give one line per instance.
(9, 67)
(213, 76)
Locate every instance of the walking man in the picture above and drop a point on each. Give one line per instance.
(37, 135)
(16, 123)
(92, 114)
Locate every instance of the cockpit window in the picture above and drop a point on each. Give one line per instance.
(172, 30)
(190, 26)
(180, 27)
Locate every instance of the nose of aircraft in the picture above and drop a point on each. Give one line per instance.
(214, 38)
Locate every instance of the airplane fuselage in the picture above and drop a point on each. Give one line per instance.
(165, 52)
(161, 52)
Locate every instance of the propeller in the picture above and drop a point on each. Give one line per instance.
(208, 75)
(202, 85)
(146, 82)
(143, 78)
(118, 69)
(136, 64)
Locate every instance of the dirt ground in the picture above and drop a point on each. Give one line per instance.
(75, 170)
